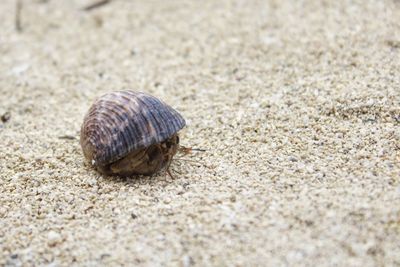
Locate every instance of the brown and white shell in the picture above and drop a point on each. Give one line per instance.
(130, 124)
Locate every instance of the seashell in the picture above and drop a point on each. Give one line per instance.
(127, 132)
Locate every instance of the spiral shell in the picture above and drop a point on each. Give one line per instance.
(122, 122)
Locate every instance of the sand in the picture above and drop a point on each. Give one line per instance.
(296, 102)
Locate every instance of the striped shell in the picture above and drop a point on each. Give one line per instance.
(123, 121)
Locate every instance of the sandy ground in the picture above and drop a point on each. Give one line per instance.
(296, 102)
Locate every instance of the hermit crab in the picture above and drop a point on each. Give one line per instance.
(127, 133)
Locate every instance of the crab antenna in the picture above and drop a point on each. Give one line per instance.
(190, 149)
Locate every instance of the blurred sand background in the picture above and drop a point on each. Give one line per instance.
(296, 102)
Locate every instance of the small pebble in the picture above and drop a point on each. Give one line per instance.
(53, 238)
(6, 117)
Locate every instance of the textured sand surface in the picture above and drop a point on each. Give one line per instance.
(296, 102)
